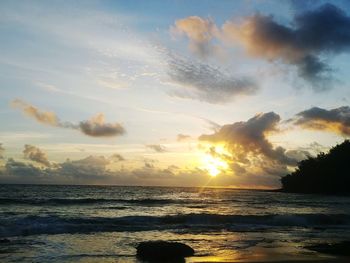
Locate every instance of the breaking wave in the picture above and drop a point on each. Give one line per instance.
(35, 225)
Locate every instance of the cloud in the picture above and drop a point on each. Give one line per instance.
(204, 82)
(323, 31)
(249, 150)
(45, 117)
(95, 127)
(156, 147)
(300, 5)
(212, 125)
(251, 135)
(35, 154)
(149, 165)
(91, 161)
(117, 157)
(334, 120)
(90, 168)
(2, 150)
(200, 33)
(94, 170)
(19, 169)
(305, 42)
(183, 137)
(100, 170)
(48, 87)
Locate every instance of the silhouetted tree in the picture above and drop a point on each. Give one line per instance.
(327, 173)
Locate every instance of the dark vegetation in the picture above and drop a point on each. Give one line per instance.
(327, 173)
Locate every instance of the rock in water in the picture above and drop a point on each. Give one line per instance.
(163, 251)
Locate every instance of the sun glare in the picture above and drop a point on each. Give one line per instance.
(214, 165)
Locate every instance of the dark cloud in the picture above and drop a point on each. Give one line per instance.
(156, 147)
(35, 154)
(94, 170)
(203, 82)
(251, 135)
(313, 34)
(91, 168)
(335, 120)
(95, 127)
(20, 169)
(183, 137)
(250, 151)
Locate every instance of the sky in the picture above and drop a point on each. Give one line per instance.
(170, 93)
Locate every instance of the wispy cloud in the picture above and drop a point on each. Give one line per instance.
(200, 81)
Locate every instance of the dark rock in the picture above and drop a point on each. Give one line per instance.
(338, 249)
(155, 251)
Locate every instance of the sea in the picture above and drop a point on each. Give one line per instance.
(50, 223)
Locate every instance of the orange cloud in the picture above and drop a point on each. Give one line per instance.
(45, 117)
(95, 127)
(199, 31)
(335, 120)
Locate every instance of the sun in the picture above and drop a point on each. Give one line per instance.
(214, 165)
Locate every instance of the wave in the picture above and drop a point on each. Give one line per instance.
(86, 201)
(35, 225)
